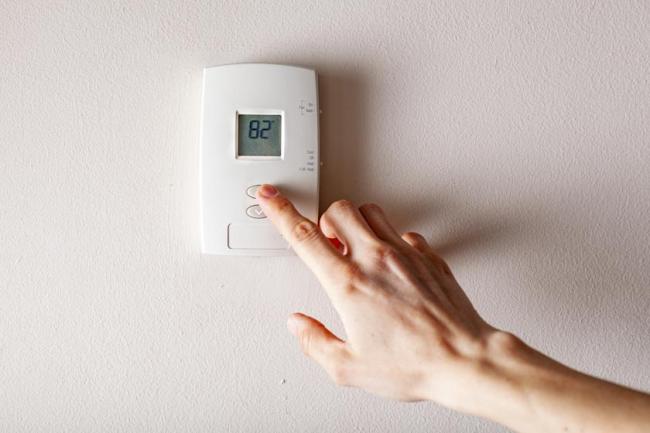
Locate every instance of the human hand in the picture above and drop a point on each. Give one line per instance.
(412, 333)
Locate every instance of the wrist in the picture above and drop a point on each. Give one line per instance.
(495, 381)
(519, 387)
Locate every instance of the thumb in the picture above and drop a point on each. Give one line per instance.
(320, 344)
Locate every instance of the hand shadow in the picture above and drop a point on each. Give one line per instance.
(344, 150)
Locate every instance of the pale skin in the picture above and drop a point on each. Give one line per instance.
(412, 333)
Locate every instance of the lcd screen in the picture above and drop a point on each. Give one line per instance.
(259, 135)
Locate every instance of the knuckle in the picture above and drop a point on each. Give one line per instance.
(371, 207)
(349, 279)
(445, 268)
(350, 272)
(413, 237)
(340, 206)
(391, 255)
(347, 289)
(504, 342)
(413, 255)
(440, 264)
(284, 205)
(382, 297)
(325, 220)
(384, 253)
(352, 275)
(304, 231)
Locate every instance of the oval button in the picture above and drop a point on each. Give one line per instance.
(252, 190)
(255, 211)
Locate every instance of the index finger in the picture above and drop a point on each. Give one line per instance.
(304, 236)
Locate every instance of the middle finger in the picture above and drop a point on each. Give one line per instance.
(343, 221)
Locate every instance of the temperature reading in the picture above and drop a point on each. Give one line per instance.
(254, 130)
(259, 135)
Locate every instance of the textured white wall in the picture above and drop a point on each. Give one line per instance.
(513, 134)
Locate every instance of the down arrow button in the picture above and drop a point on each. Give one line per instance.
(255, 211)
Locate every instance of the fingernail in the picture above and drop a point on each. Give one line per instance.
(268, 191)
(293, 325)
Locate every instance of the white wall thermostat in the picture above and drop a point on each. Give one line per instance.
(259, 124)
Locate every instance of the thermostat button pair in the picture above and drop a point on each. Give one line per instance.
(254, 211)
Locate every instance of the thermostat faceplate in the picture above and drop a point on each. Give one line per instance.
(259, 124)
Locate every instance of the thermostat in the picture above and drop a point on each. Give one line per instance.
(259, 124)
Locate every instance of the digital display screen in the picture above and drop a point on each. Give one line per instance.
(259, 135)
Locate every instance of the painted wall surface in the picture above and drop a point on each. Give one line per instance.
(514, 135)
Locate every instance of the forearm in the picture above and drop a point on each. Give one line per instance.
(529, 392)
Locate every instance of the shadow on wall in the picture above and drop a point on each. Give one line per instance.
(344, 101)
(344, 93)
(343, 97)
